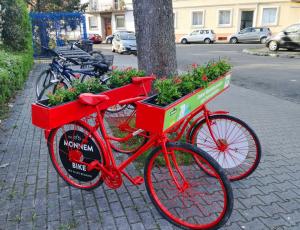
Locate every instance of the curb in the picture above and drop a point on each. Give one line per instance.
(264, 53)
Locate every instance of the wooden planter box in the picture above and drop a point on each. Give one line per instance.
(51, 117)
(157, 119)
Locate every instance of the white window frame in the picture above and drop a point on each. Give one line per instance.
(117, 23)
(97, 22)
(276, 17)
(230, 18)
(203, 17)
(175, 19)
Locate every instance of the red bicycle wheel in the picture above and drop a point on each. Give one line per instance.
(200, 201)
(75, 140)
(239, 149)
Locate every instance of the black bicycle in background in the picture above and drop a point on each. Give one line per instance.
(63, 70)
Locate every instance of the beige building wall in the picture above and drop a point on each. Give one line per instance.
(287, 13)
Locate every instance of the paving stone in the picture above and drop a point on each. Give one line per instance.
(268, 199)
(122, 223)
(254, 224)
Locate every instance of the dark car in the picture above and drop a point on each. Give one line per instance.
(109, 38)
(251, 34)
(288, 38)
(95, 38)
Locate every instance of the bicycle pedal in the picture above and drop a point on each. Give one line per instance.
(138, 180)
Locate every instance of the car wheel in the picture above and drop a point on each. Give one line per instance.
(108, 41)
(113, 49)
(207, 41)
(184, 41)
(233, 40)
(263, 40)
(273, 46)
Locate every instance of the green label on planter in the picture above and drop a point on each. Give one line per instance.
(179, 111)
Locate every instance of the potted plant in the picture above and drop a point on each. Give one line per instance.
(178, 96)
(63, 107)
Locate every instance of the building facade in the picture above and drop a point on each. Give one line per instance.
(230, 16)
(104, 17)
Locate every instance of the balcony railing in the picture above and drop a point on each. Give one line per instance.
(107, 6)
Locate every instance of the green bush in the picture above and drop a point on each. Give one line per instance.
(16, 53)
(14, 69)
(16, 28)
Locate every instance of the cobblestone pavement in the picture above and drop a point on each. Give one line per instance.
(32, 196)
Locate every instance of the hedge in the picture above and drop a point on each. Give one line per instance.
(14, 69)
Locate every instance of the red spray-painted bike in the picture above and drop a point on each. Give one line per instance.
(185, 184)
(229, 140)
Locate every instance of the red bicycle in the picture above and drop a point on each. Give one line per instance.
(227, 139)
(178, 185)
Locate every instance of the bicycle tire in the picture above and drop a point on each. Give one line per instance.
(243, 150)
(51, 88)
(204, 202)
(65, 139)
(43, 80)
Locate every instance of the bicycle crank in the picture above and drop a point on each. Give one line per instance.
(115, 181)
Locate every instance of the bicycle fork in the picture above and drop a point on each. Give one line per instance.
(184, 185)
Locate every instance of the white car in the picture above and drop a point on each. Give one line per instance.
(202, 35)
(124, 43)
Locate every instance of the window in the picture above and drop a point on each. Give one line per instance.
(175, 21)
(269, 16)
(293, 29)
(197, 18)
(195, 32)
(224, 17)
(93, 22)
(120, 21)
(246, 30)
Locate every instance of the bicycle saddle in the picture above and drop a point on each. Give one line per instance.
(101, 66)
(92, 99)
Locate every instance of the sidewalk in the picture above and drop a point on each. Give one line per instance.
(266, 52)
(32, 196)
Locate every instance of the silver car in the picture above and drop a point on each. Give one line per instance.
(124, 43)
(251, 34)
(203, 35)
(289, 38)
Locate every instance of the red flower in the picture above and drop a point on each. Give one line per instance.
(71, 90)
(194, 65)
(128, 68)
(77, 76)
(114, 67)
(177, 80)
(204, 78)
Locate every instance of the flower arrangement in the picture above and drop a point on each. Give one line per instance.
(121, 77)
(172, 88)
(168, 89)
(62, 95)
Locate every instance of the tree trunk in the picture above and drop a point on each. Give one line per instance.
(154, 25)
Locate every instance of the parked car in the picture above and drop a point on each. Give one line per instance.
(95, 38)
(109, 38)
(124, 43)
(288, 38)
(251, 34)
(203, 35)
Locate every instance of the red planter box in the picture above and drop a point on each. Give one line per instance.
(52, 117)
(158, 119)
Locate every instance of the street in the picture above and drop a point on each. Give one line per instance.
(274, 76)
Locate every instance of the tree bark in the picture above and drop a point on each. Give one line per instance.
(154, 25)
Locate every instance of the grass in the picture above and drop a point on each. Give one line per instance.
(72, 224)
